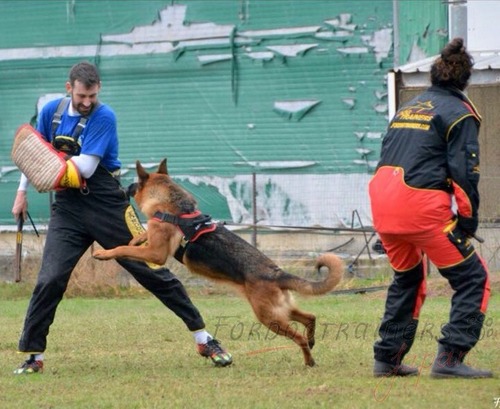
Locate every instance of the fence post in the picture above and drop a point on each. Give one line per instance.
(254, 209)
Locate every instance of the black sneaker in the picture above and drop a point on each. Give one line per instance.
(213, 350)
(30, 366)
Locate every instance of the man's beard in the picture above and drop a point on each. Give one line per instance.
(82, 110)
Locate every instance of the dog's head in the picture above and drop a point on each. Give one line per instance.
(157, 191)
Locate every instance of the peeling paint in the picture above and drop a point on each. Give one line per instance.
(281, 32)
(171, 28)
(283, 202)
(342, 36)
(371, 164)
(353, 50)
(416, 53)
(348, 27)
(157, 38)
(203, 44)
(294, 109)
(350, 102)
(261, 55)
(213, 58)
(343, 20)
(172, 34)
(5, 170)
(381, 108)
(364, 151)
(374, 135)
(291, 50)
(442, 32)
(84, 51)
(381, 94)
(381, 42)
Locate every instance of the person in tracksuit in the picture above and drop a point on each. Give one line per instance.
(425, 201)
(99, 210)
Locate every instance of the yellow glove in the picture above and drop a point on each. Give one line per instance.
(71, 177)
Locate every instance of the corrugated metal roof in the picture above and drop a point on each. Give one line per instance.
(486, 61)
(486, 64)
(482, 61)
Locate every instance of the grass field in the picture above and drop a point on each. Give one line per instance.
(133, 353)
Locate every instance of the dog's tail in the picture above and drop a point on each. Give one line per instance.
(335, 267)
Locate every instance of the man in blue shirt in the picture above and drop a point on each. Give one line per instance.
(96, 209)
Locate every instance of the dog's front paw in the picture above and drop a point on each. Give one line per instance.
(102, 254)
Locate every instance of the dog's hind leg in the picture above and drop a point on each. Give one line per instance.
(272, 307)
(307, 320)
(282, 327)
(295, 314)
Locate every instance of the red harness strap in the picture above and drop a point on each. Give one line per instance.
(191, 225)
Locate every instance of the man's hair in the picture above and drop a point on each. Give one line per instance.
(86, 73)
(453, 67)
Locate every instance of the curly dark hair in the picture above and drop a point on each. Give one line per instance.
(453, 67)
(86, 73)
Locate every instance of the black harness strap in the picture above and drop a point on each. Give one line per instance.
(56, 119)
(192, 226)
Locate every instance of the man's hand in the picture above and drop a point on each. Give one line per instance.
(20, 206)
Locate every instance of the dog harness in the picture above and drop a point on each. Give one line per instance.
(191, 225)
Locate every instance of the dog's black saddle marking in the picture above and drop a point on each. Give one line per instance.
(192, 226)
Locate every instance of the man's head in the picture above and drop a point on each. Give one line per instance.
(83, 85)
(453, 67)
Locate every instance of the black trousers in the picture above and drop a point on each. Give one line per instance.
(398, 329)
(77, 220)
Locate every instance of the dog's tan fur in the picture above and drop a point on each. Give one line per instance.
(223, 256)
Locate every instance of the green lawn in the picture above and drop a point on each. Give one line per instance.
(133, 353)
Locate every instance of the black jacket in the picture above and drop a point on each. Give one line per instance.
(434, 139)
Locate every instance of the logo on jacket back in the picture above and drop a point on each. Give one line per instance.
(414, 116)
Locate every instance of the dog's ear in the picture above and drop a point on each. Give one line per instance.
(162, 168)
(141, 172)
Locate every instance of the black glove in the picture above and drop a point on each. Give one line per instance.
(467, 224)
(461, 239)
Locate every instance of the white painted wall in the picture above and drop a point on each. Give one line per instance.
(483, 25)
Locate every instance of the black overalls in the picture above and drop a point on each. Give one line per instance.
(77, 220)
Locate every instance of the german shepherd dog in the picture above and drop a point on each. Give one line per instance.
(176, 228)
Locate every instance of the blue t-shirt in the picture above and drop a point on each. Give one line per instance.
(99, 138)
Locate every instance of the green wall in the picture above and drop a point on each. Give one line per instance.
(211, 120)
